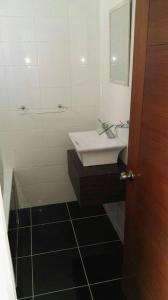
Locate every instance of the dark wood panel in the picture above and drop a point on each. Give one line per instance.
(96, 184)
(155, 111)
(158, 29)
(133, 287)
(146, 242)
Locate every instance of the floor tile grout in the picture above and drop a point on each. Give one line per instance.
(66, 249)
(75, 287)
(17, 246)
(106, 281)
(77, 247)
(89, 217)
(80, 253)
(99, 244)
(32, 255)
(63, 221)
(25, 298)
(57, 291)
(40, 224)
(48, 252)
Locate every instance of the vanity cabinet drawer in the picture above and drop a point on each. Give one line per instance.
(158, 22)
(96, 184)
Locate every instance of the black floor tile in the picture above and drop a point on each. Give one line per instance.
(103, 262)
(57, 271)
(80, 212)
(94, 230)
(49, 213)
(75, 294)
(53, 237)
(24, 242)
(103, 290)
(24, 277)
(24, 217)
(12, 219)
(12, 236)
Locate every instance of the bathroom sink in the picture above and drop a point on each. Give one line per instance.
(94, 149)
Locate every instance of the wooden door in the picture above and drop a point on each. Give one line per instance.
(146, 232)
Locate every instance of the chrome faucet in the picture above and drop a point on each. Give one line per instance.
(122, 125)
(107, 128)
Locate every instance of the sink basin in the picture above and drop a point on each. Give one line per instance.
(94, 149)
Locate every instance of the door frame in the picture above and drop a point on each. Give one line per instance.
(7, 281)
(138, 76)
(138, 81)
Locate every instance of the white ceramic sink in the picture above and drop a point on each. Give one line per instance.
(94, 149)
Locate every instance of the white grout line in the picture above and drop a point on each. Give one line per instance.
(17, 243)
(47, 252)
(48, 223)
(80, 253)
(66, 220)
(32, 255)
(74, 288)
(40, 224)
(58, 291)
(106, 281)
(30, 297)
(63, 290)
(89, 217)
(72, 248)
(100, 243)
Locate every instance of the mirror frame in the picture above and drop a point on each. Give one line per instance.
(117, 7)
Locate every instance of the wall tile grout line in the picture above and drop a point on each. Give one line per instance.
(80, 253)
(32, 255)
(66, 249)
(66, 220)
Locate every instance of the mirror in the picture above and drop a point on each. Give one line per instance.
(120, 27)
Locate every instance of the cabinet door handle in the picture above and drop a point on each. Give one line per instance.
(127, 175)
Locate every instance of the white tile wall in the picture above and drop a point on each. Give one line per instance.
(17, 29)
(49, 55)
(51, 8)
(18, 54)
(4, 98)
(22, 76)
(40, 194)
(16, 8)
(51, 97)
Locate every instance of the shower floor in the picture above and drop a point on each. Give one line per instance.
(65, 252)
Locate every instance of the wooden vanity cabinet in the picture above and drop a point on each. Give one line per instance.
(96, 184)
